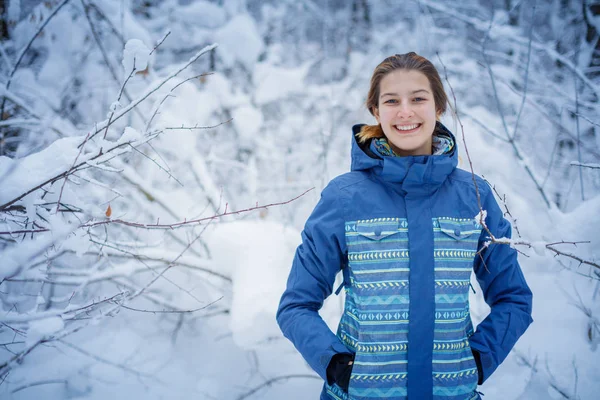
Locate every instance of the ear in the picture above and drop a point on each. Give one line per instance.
(376, 114)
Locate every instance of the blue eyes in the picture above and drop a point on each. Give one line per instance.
(416, 100)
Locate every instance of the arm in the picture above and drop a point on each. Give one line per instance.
(504, 290)
(317, 261)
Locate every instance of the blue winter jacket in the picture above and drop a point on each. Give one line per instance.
(404, 233)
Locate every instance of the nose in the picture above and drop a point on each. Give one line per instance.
(404, 111)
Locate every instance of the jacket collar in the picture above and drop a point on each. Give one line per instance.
(416, 175)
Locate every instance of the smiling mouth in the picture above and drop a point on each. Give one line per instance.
(404, 129)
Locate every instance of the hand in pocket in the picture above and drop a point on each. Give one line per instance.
(340, 369)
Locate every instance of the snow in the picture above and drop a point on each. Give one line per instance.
(240, 41)
(258, 257)
(13, 11)
(130, 135)
(288, 134)
(248, 121)
(135, 56)
(539, 248)
(37, 168)
(38, 329)
(274, 83)
(201, 13)
(115, 106)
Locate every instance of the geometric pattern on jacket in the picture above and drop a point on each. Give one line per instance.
(401, 230)
(375, 320)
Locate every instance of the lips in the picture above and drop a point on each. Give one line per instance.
(408, 128)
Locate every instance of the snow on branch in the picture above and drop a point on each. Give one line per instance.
(481, 216)
(104, 124)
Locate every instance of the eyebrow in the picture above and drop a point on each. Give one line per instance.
(413, 92)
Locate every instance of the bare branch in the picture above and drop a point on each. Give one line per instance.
(526, 79)
(152, 90)
(86, 9)
(582, 165)
(196, 127)
(39, 383)
(503, 33)
(173, 311)
(160, 42)
(190, 222)
(160, 103)
(69, 172)
(510, 137)
(24, 50)
(108, 362)
(572, 256)
(462, 129)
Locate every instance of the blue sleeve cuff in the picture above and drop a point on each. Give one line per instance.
(486, 365)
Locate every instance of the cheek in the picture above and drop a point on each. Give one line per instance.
(386, 114)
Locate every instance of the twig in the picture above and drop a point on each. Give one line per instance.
(111, 69)
(160, 103)
(578, 133)
(512, 219)
(121, 91)
(533, 366)
(62, 313)
(196, 127)
(107, 362)
(68, 172)
(462, 129)
(153, 89)
(484, 26)
(39, 383)
(173, 311)
(572, 256)
(24, 50)
(587, 165)
(576, 112)
(509, 137)
(109, 22)
(158, 165)
(64, 173)
(160, 42)
(190, 222)
(171, 264)
(166, 226)
(526, 79)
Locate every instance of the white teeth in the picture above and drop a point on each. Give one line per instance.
(406, 127)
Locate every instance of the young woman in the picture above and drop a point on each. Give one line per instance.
(404, 228)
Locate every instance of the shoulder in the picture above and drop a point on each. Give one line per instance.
(464, 179)
(349, 180)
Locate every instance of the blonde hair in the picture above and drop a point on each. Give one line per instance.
(410, 62)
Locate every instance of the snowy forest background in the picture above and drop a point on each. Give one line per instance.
(155, 158)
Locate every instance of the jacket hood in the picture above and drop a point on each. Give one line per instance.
(416, 175)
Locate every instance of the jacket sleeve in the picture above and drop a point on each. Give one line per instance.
(315, 265)
(504, 290)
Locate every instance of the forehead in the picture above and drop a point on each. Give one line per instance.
(403, 81)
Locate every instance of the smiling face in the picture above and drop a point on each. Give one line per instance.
(406, 112)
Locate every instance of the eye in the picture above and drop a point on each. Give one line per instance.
(420, 99)
(391, 101)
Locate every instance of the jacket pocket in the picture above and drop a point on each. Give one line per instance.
(378, 228)
(458, 228)
(378, 254)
